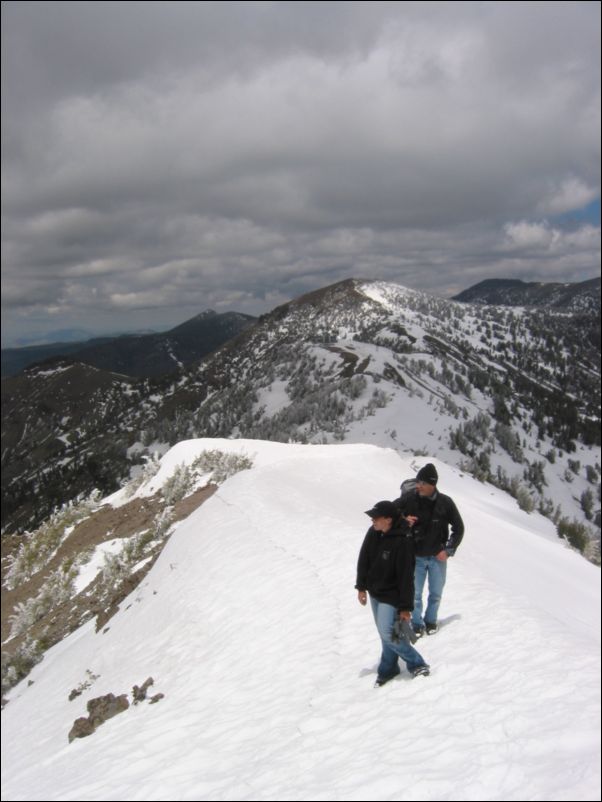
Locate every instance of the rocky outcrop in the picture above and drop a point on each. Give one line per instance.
(100, 710)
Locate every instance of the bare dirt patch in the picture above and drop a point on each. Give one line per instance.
(106, 523)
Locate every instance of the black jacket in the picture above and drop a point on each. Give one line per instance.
(435, 515)
(385, 567)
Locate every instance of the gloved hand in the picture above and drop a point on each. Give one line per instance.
(402, 630)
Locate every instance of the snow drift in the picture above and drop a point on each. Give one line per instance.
(250, 626)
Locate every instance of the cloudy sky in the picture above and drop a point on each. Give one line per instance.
(159, 159)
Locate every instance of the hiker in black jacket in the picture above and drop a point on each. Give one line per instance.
(430, 514)
(385, 570)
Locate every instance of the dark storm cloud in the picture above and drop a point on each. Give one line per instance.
(174, 156)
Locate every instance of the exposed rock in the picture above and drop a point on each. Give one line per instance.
(105, 707)
(83, 686)
(139, 694)
(100, 710)
(81, 728)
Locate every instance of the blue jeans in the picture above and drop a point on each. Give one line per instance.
(436, 570)
(385, 616)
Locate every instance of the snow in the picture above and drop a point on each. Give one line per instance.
(89, 571)
(249, 624)
(387, 294)
(272, 398)
(53, 371)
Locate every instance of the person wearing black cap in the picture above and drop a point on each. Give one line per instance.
(385, 570)
(430, 514)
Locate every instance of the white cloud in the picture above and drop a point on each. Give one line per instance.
(530, 235)
(571, 194)
(581, 243)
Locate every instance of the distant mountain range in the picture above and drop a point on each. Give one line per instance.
(581, 297)
(65, 336)
(154, 354)
(137, 354)
(510, 395)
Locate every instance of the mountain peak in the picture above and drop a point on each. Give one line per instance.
(580, 297)
(208, 314)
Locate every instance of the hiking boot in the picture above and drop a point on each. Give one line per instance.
(418, 631)
(431, 628)
(421, 671)
(380, 681)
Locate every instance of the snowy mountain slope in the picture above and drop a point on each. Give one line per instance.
(510, 395)
(250, 626)
(485, 388)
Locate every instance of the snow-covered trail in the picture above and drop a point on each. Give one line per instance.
(250, 625)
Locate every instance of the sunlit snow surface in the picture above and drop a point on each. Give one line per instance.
(250, 626)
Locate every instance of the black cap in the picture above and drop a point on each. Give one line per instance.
(385, 509)
(428, 474)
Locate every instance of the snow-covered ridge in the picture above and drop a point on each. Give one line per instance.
(390, 296)
(250, 626)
